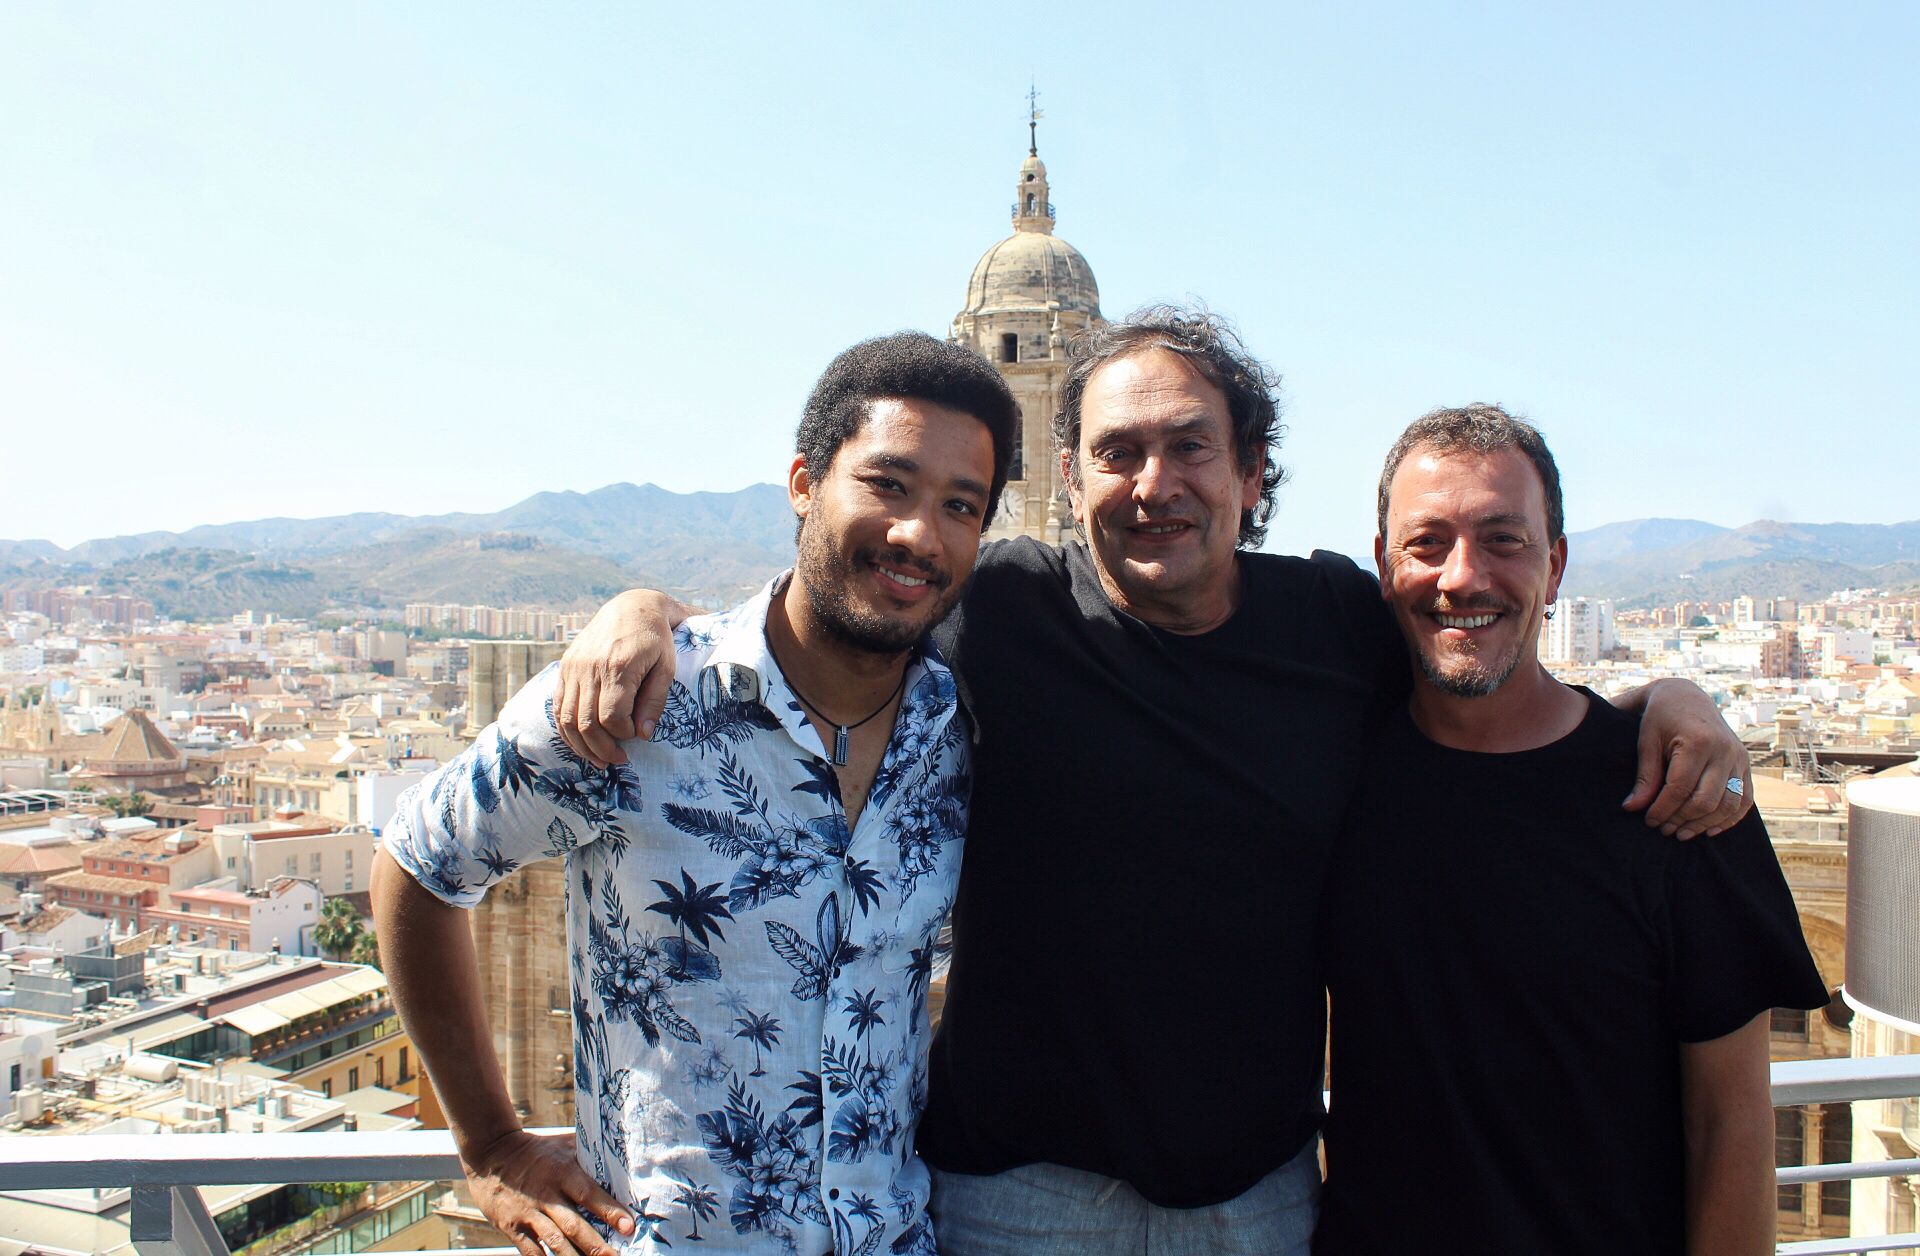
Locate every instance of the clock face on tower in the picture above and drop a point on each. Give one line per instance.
(1012, 515)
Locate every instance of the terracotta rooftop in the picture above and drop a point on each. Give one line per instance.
(95, 881)
(20, 861)
(133, 738)
(268, 830)
(152, 849)
(49, 918)
(234, 897)
(137, 943)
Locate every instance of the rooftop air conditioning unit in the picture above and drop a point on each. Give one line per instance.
(29, 1103)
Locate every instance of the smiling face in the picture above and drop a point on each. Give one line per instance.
(1159, 490)
(1467, 565)
(888, 536)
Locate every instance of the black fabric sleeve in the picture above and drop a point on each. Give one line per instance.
(983, 588)
(988, 619)
(1370, 625)
(1734, 935)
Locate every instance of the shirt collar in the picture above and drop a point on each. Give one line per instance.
(741, 666)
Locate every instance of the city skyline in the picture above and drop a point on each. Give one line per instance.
(274, 263)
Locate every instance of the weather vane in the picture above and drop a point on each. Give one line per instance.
(1033, 120)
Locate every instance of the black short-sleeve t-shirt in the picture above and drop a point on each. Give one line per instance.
(1514, 964)
(1135, 987)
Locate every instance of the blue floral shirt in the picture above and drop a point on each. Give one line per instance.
(749, 977)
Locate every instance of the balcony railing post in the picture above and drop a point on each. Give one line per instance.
(173, 1221)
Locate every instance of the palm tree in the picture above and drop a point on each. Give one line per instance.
(865, 1010)
(127, 806)
(703, 1203)
(761, 1031)
(366, 950)
(339, 928)
(696, 909)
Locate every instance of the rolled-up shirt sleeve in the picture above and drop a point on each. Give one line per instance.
(516, 796)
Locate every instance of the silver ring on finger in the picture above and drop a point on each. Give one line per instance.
(1736, 787)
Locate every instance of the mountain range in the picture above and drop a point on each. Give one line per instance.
(553, 549)
(1647, 562)
(573, 549)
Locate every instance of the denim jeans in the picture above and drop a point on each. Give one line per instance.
(1048, 1210)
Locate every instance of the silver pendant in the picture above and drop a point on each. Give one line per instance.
(840, 746)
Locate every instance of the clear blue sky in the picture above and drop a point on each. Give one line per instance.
(302, 260)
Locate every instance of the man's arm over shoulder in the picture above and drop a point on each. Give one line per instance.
(616, 673)
(516, 796)
(1007, 574)
(1688, 761)
(1727, 1112)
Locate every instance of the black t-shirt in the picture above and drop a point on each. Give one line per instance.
(1514, 964)
(1135, 988)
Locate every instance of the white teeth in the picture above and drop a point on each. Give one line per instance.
(1159, 531)
(912, 582)
(1465, 621)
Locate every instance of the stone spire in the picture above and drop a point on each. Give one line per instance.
(1032, 211)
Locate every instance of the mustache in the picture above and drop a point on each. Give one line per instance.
(933, 575)
(1479, 602)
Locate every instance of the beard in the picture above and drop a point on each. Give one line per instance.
(827, 574)
(1469, 677)
(1463, 673)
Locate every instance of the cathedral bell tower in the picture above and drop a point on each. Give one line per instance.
(1028, 296)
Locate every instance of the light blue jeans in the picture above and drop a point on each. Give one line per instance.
(1047, 1210)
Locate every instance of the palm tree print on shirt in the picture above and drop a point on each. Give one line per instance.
(633, 973)
(763, 1032)
(698, 1200)
(862, 1208)
(694, 909)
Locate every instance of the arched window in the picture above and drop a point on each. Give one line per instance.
(1029, 202)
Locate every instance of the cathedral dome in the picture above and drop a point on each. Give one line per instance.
(1031, 270)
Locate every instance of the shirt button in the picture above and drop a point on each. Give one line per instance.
(834, 1193)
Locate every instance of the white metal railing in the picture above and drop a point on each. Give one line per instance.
(170, 1219)
(1799, 1082)
(164, 1173)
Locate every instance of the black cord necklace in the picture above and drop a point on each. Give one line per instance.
(840, 730)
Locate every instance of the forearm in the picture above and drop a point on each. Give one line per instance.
(1730, 1189)
(426, 950)
(1635, 699)
(1727, 1114)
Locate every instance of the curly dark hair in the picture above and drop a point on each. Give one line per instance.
(906, 366)
(1210, 343)
(1483, 429)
